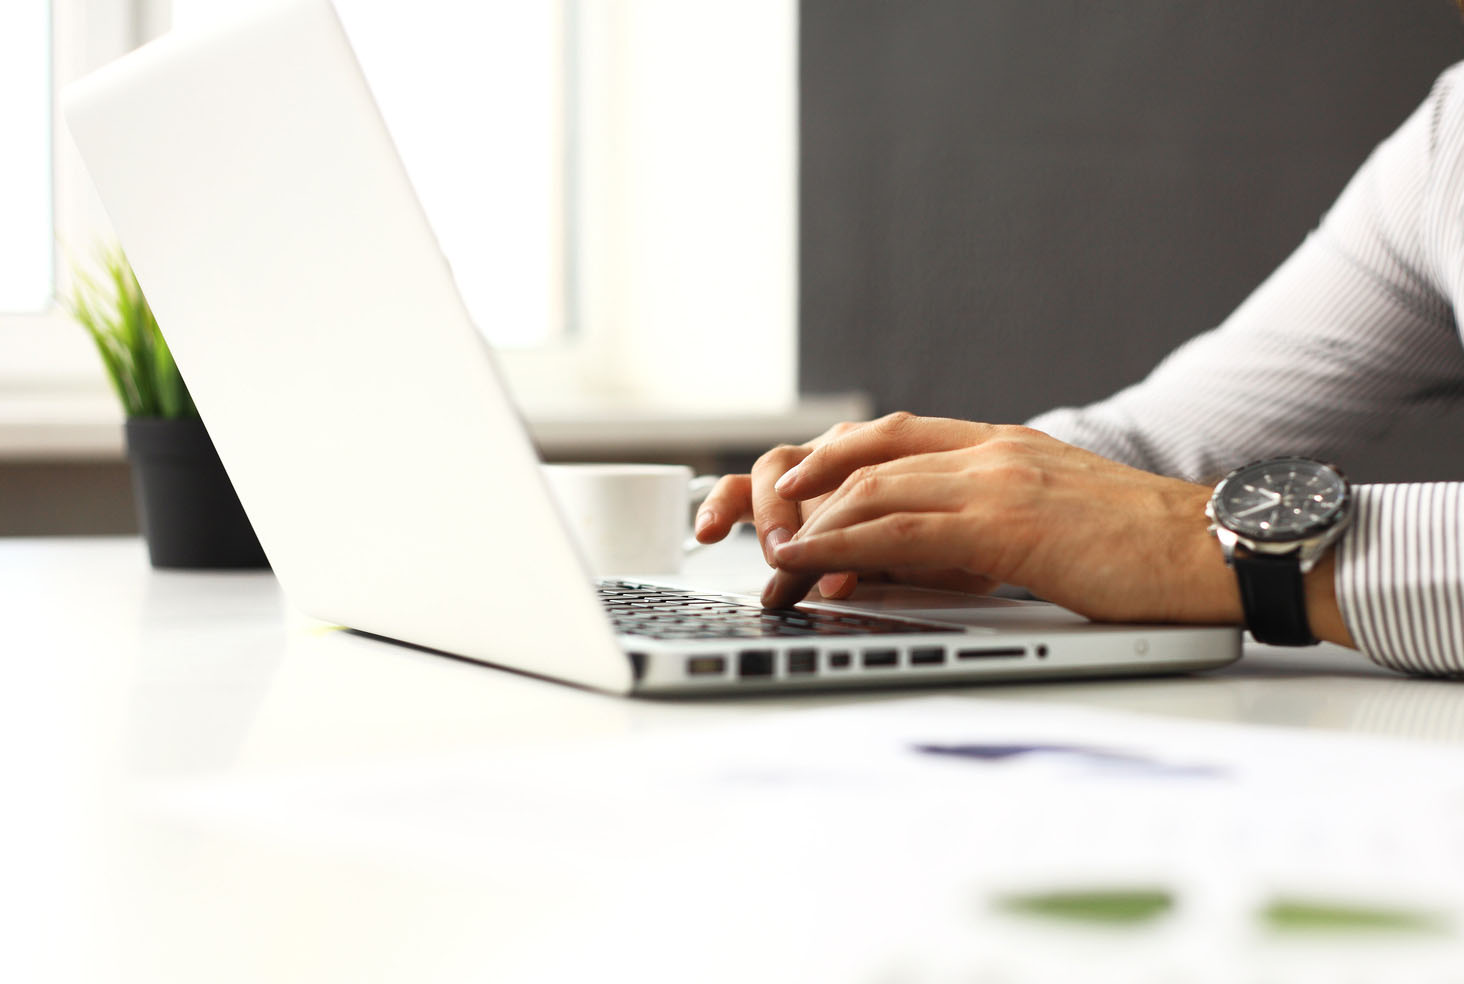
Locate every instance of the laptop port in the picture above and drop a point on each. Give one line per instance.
(881, 657)
(755, 663)
(927, 656)
(1015, 653)
(802, 660)
(706, 665)
(839, 659)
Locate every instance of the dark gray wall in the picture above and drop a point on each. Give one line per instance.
(1008, 205)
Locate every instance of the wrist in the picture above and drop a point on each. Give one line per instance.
(1214, 595)
(1322, 610)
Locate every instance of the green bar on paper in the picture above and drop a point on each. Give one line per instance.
(1285, 915)
(1109, 907)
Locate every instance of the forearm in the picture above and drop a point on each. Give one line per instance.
(1355, 328)
(1319, 361)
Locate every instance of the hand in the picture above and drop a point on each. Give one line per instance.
(752, 497)
(1004, 504)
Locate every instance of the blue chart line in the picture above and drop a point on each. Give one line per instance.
(1103, 758)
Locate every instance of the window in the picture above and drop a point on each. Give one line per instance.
(687, 199)
(613, 182)
(473, 95)
(25, 168)
(47, 209)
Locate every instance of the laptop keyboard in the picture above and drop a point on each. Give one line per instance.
(668, 613)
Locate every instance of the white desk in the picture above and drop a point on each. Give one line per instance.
(126, 685)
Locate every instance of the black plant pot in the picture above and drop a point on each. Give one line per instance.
(186, 504)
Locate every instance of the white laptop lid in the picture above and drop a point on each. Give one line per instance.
(257, 193)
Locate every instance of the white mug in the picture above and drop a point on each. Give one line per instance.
(629, 519)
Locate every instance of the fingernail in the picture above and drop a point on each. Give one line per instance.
(787, 550)
(789, 477)
(704, 519)
(831, 584)
(776, 539)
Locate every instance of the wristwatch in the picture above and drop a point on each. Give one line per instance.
(1274, 520)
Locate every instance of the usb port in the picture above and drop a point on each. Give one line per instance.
(927, 656)
(839, 659)
(991, 653)
(802, 660)
(881, 657)
(706, 665)
(755, 663)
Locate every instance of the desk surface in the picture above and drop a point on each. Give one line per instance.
(125, 682)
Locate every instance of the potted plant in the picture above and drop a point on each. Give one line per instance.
(187, 507)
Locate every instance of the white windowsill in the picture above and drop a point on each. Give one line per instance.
(86, 425)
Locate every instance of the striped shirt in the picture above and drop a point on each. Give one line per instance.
(1356, 328)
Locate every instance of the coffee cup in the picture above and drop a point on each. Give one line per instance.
(627, 518)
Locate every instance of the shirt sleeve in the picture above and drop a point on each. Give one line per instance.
(1400, 576)
(1355, 330)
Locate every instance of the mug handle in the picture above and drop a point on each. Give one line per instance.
(697, 490)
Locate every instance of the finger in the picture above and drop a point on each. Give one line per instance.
(881, 492)
(786, 589)
(831, 586)
(838, 430)
(948, 580)
(894, 436)
(836, 586)
(776, 518)
(938, 481)
(729, 503)
(924, 540)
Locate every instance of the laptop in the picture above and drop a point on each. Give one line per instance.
(362, 419)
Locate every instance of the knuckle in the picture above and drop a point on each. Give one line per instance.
(780, 455)
(1016, 438)
(1008, 446)
(1019, 431)
(766, 525)
(727, 486)
(905, 525)
(1016, 473)
(895, 423)
(863, 477)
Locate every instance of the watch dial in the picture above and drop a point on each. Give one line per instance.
(1281, 500)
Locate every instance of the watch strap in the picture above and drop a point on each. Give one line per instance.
(1273, 598)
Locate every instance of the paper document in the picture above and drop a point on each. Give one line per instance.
(940, 835)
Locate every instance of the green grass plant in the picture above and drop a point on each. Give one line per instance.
(109, 304)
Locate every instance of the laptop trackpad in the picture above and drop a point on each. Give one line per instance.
(951, 606)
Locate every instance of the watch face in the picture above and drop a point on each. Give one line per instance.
(1281, 500)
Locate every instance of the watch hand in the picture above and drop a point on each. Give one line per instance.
(1275, 499)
